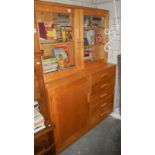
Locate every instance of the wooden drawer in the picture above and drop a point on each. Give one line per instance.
(101, 110)
(107, 105)
(101, 96)
(102, 105)
(102, 75)
(102, 86)
(96, 115)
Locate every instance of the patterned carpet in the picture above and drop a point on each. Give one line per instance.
(104, 139)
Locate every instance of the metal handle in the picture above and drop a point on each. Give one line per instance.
(103, 86)
(103, 76)
(102, 114)
(103, 105)
(105, 94)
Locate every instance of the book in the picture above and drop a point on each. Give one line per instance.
(39, 128)
(50, 64)
(37, 115)
(89, 37)
(42, 30)
(61, 56)
(51, 35)
(38, 121)
(36, 103)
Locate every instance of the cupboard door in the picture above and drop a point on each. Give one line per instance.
(70, 109)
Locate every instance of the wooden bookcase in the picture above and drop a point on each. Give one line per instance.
(44, 141)
(80, 92)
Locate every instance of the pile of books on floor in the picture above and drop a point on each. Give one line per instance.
(50, 65)
(38, 121)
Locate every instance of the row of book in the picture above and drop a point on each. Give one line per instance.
(92, 21)
(50, 65)
(39, 122)
(91, 37)
(59, 60)
(54, 33)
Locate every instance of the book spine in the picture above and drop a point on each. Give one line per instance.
(39, 128)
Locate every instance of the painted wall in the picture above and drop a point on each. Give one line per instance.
(116, 43)
(88, 3)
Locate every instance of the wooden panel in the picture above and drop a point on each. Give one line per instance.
(69, 108)
(43, 140)
(102, 74)
(95, 12)
(36, 41)
(53, 8)
(39, 88)
(36, 87)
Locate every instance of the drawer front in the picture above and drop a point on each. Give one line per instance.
(102, 75)
(101, 110)
(101, 96)
(107, 105)
(102, 86)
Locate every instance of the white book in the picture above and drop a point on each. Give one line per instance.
(35, 103)
(39, 128)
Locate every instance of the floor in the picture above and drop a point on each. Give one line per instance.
(104, 139)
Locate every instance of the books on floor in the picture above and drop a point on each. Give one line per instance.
(39, 122)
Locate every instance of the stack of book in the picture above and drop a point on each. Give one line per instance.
(50, 64)
(38, 121)
(36, 105)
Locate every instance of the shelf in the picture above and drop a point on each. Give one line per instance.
(43, 132)
(94, 28)
(60, 74)
(56, 44)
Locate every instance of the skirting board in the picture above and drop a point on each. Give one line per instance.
(116, 114)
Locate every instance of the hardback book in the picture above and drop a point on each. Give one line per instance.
(42, 30)
(61, 56)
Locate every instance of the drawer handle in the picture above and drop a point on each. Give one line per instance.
(105, 94)
(103, 76)
(102, 114)
(103, 105)
(104, 85)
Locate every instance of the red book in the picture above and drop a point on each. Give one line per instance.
(42, 30)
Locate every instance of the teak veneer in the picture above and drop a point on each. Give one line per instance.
(78, 98)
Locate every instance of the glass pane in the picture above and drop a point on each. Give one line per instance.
(57, 40)
(94, 38)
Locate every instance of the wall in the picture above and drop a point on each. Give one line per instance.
(88, 3)
(116, 43)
